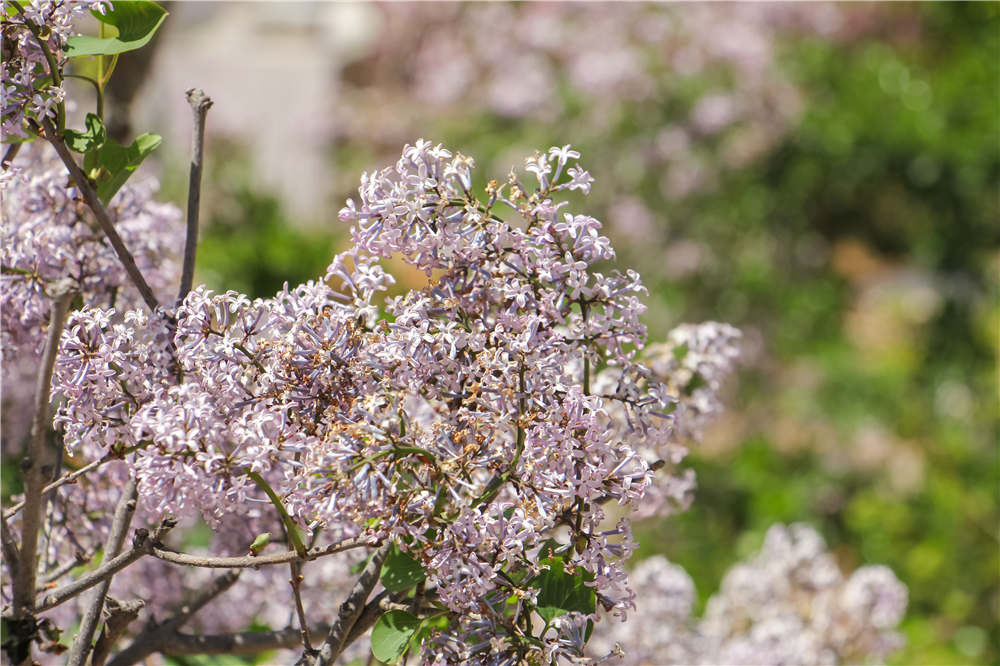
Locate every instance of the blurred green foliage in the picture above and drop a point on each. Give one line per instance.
(247, 243)
(859, 253)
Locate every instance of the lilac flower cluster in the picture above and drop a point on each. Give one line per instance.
(790, 604)
(25, 89)
(50, 235)
(460, 421)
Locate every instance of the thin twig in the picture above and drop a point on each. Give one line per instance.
(350, 610)
(296, 582)
(156, 635)
(69, 477)
(142, 544)
(80, 649)
(53, 575)
(94, 203)
(200, 104)
(118, 615)
(253, 561)
(11, 553)
(36, 465)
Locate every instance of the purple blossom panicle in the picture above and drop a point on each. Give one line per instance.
(790, 604)
(463, 419)
(26, 87)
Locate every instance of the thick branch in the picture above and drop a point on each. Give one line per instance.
(200, 104)
(370, 614)
(253, 561)
(245, 643)
(117, 617)
(253, 642)
(350, 611)
(154, 637)
(124, 511)
(37, 465)
(90, 196)
(142, 544)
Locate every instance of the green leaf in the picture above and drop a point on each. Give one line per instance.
(115, 163)
(93, 137)
(401, 571)
(561, 592)
(136, 21)
(391, 635)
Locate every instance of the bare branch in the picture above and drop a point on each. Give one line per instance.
(90, 196)
(37, 464)
(370, 614)
(200, 104)
(244, 643)
(124, 511)
(155, 636)
(350, 611)
(253, 561)
(142, 544)
(69, 477)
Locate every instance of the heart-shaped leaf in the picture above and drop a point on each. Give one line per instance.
(391, 635)
(136, 21)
